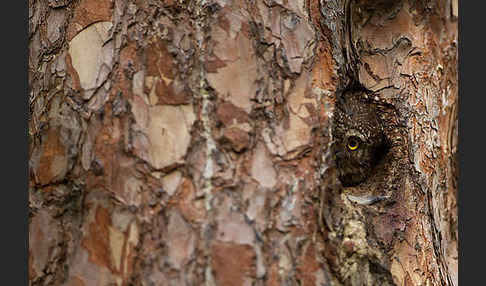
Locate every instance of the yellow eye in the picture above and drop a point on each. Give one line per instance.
(353, 144)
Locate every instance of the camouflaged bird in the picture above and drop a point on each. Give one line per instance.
(358, 136)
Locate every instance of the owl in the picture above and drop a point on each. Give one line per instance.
(358, 137)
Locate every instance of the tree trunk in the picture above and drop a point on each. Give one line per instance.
(191, 142)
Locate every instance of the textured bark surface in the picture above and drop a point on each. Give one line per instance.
(189, 142)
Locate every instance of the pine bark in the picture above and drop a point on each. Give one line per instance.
(189, 142)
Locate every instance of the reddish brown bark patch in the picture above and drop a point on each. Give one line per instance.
(306, 270)
(53, 161)
(159, 61)
(236, 135)
(214, 64)
(160, 65)
(229, 114)
(110, 168)
(32, 272)
(76, 83)
(191, 209)
(89, 12)
(238, 139)
(232, 264)
(97, 240)
(76, 281)
(273, 277)
(129, 65)
(123, 74)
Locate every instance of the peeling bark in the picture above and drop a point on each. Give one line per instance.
(189, 142)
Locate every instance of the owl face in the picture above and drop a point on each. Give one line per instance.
(354, 157)
(358, 139)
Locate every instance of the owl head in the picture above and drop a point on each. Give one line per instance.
(358, 138)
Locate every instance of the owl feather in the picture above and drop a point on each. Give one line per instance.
(359, 141)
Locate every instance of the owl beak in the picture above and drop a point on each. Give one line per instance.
(340, 155)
